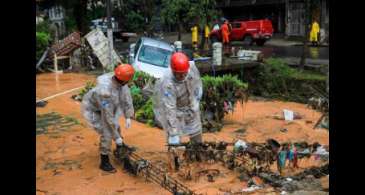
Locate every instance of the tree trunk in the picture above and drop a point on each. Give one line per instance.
(179, 30)
(305, 40)
(202, 41)
(80, 16)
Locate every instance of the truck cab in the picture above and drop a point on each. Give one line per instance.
(256, 31)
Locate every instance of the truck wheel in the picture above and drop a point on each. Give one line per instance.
(214, 39)
(248, 39)
(125, 39)
(260, 42)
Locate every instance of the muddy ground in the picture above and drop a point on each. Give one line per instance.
(67, 160)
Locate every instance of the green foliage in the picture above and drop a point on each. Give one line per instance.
(141, 103)
(216, 91)
(132, 14)
(96, 12)
(89, 85)
(53, 123)
(220, 94)
(43, 27)
(70, 24)
(146, 114)
(135, 21)
(188, 11)
(175, 10)
(42, 39)
(275, 79)
(138, 100)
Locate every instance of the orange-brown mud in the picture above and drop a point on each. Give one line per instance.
(68, 162)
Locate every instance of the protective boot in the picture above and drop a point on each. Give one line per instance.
(119, 151)
(105, 164)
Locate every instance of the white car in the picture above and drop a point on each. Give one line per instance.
(151, 56)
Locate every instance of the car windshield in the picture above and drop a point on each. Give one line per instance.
(155, 56)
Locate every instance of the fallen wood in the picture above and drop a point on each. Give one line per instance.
(42, 58)
(58, 94)
(319, 120)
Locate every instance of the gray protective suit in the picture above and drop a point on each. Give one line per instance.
(176, 103)
(103, 106)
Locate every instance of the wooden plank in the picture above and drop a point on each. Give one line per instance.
(62, 57)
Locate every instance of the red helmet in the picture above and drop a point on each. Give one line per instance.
(124, 72)
(179, 62)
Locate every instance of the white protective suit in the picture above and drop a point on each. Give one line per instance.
(103, 106)
(176, 103)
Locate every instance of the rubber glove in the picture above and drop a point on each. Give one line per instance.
(173, 132)
(173, 140)
(128, 123)
(119, 141)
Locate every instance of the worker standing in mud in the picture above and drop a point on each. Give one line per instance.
(103, 106)
(225, 29)
(194, 36)
(176, 100)
(206, 35)
(314, 33)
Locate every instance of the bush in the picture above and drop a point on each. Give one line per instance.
(219, 96)
(42, 39)
(275, 79)
(70, 24)
(145, 114)
(44, 27)
(135, 21)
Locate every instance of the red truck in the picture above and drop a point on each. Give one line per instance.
(258, 31)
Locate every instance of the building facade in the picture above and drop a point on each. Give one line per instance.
(56, 15)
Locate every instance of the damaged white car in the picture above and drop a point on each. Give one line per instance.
(151, 56)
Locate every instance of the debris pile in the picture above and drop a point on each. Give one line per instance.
(250, 161)
(307, 180)
(53, 121)
(138, 166)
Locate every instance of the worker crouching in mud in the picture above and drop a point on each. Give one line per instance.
(103, 106)
(176, 101)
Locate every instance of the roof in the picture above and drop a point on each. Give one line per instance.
(158, 43)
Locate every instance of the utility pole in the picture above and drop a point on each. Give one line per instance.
(110, 34)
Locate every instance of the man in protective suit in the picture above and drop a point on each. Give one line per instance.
(176, 100)
(103, 106)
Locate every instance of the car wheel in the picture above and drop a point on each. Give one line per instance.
(260, 42)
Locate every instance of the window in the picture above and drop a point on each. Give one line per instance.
(155, 56)
(236, 25)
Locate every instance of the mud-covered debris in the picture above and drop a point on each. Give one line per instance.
(41, 103)
(302, 192)
(53, 121)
